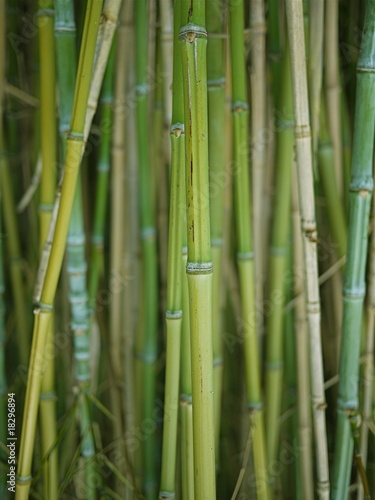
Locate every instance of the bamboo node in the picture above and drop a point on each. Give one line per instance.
(185, 399)
(199, 268)
(23, 479)
(217, 83)
(148, 233)
(173, 314)
(302, 131)
(240, 106)
(177, 129)
(191, 31)
(253, 407)
(164, 495)
(51, 396)
(41, 307)
(245, 255)
(217, 242)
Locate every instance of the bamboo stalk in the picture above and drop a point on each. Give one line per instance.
(14, 251)
(306, 195)
(315, 70)
(44, 309)
(186, 407)
(245, 256)
(193, 37)
(354, 282)
(335, 207)
(107, 27)
(149, 348)
(216, 155)
(258, 83)
(301, 331)
(3, 379)
(47, 196)
(332, 85)
(368, 372)
(174, 281)
(278, 260)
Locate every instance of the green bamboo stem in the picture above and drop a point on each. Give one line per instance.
(347, 149)
(216, 155)
(175, 277)
(258, 85)
(301, 332)
(245, 256)
(275, 50)
(167, 19)
(43, 311)
(76, 264)
(102, 181)
(47, 197)
(354, 282)
(3, 380)
(131, 232)
(14, 251)
(278, 261)
(315, 69)
(306, 196)
(107, 28)
(193, 37)
(368, 372)
(327, 175)
(148, 236)
(186, 407)
(333, 86)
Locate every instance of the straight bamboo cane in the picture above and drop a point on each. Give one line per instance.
(44, 309)
(47, 197)
(332, 84)
(278, 260)
(335, 207)
(186, 406)
(258, 85)
(76, 264)
(315, 69)
(306, 195)
(368, 375)
(301, 331)
(193, 37)
(14, 250)
(216, 155)
(3, 380)
(354, 282)
(174, 284)
(245, 255)
(149, 351)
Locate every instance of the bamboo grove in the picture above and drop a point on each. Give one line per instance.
(187, 251)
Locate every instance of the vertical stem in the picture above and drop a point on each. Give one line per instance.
(245, 254)
(361, 188)
(308, 224)
(174, 284)
(301, 332)
(332, 84)
(193, 37)
(44, 310)
(216, 155)
(258, 84)
(148, 237)
(47, 197)
(278, 260)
